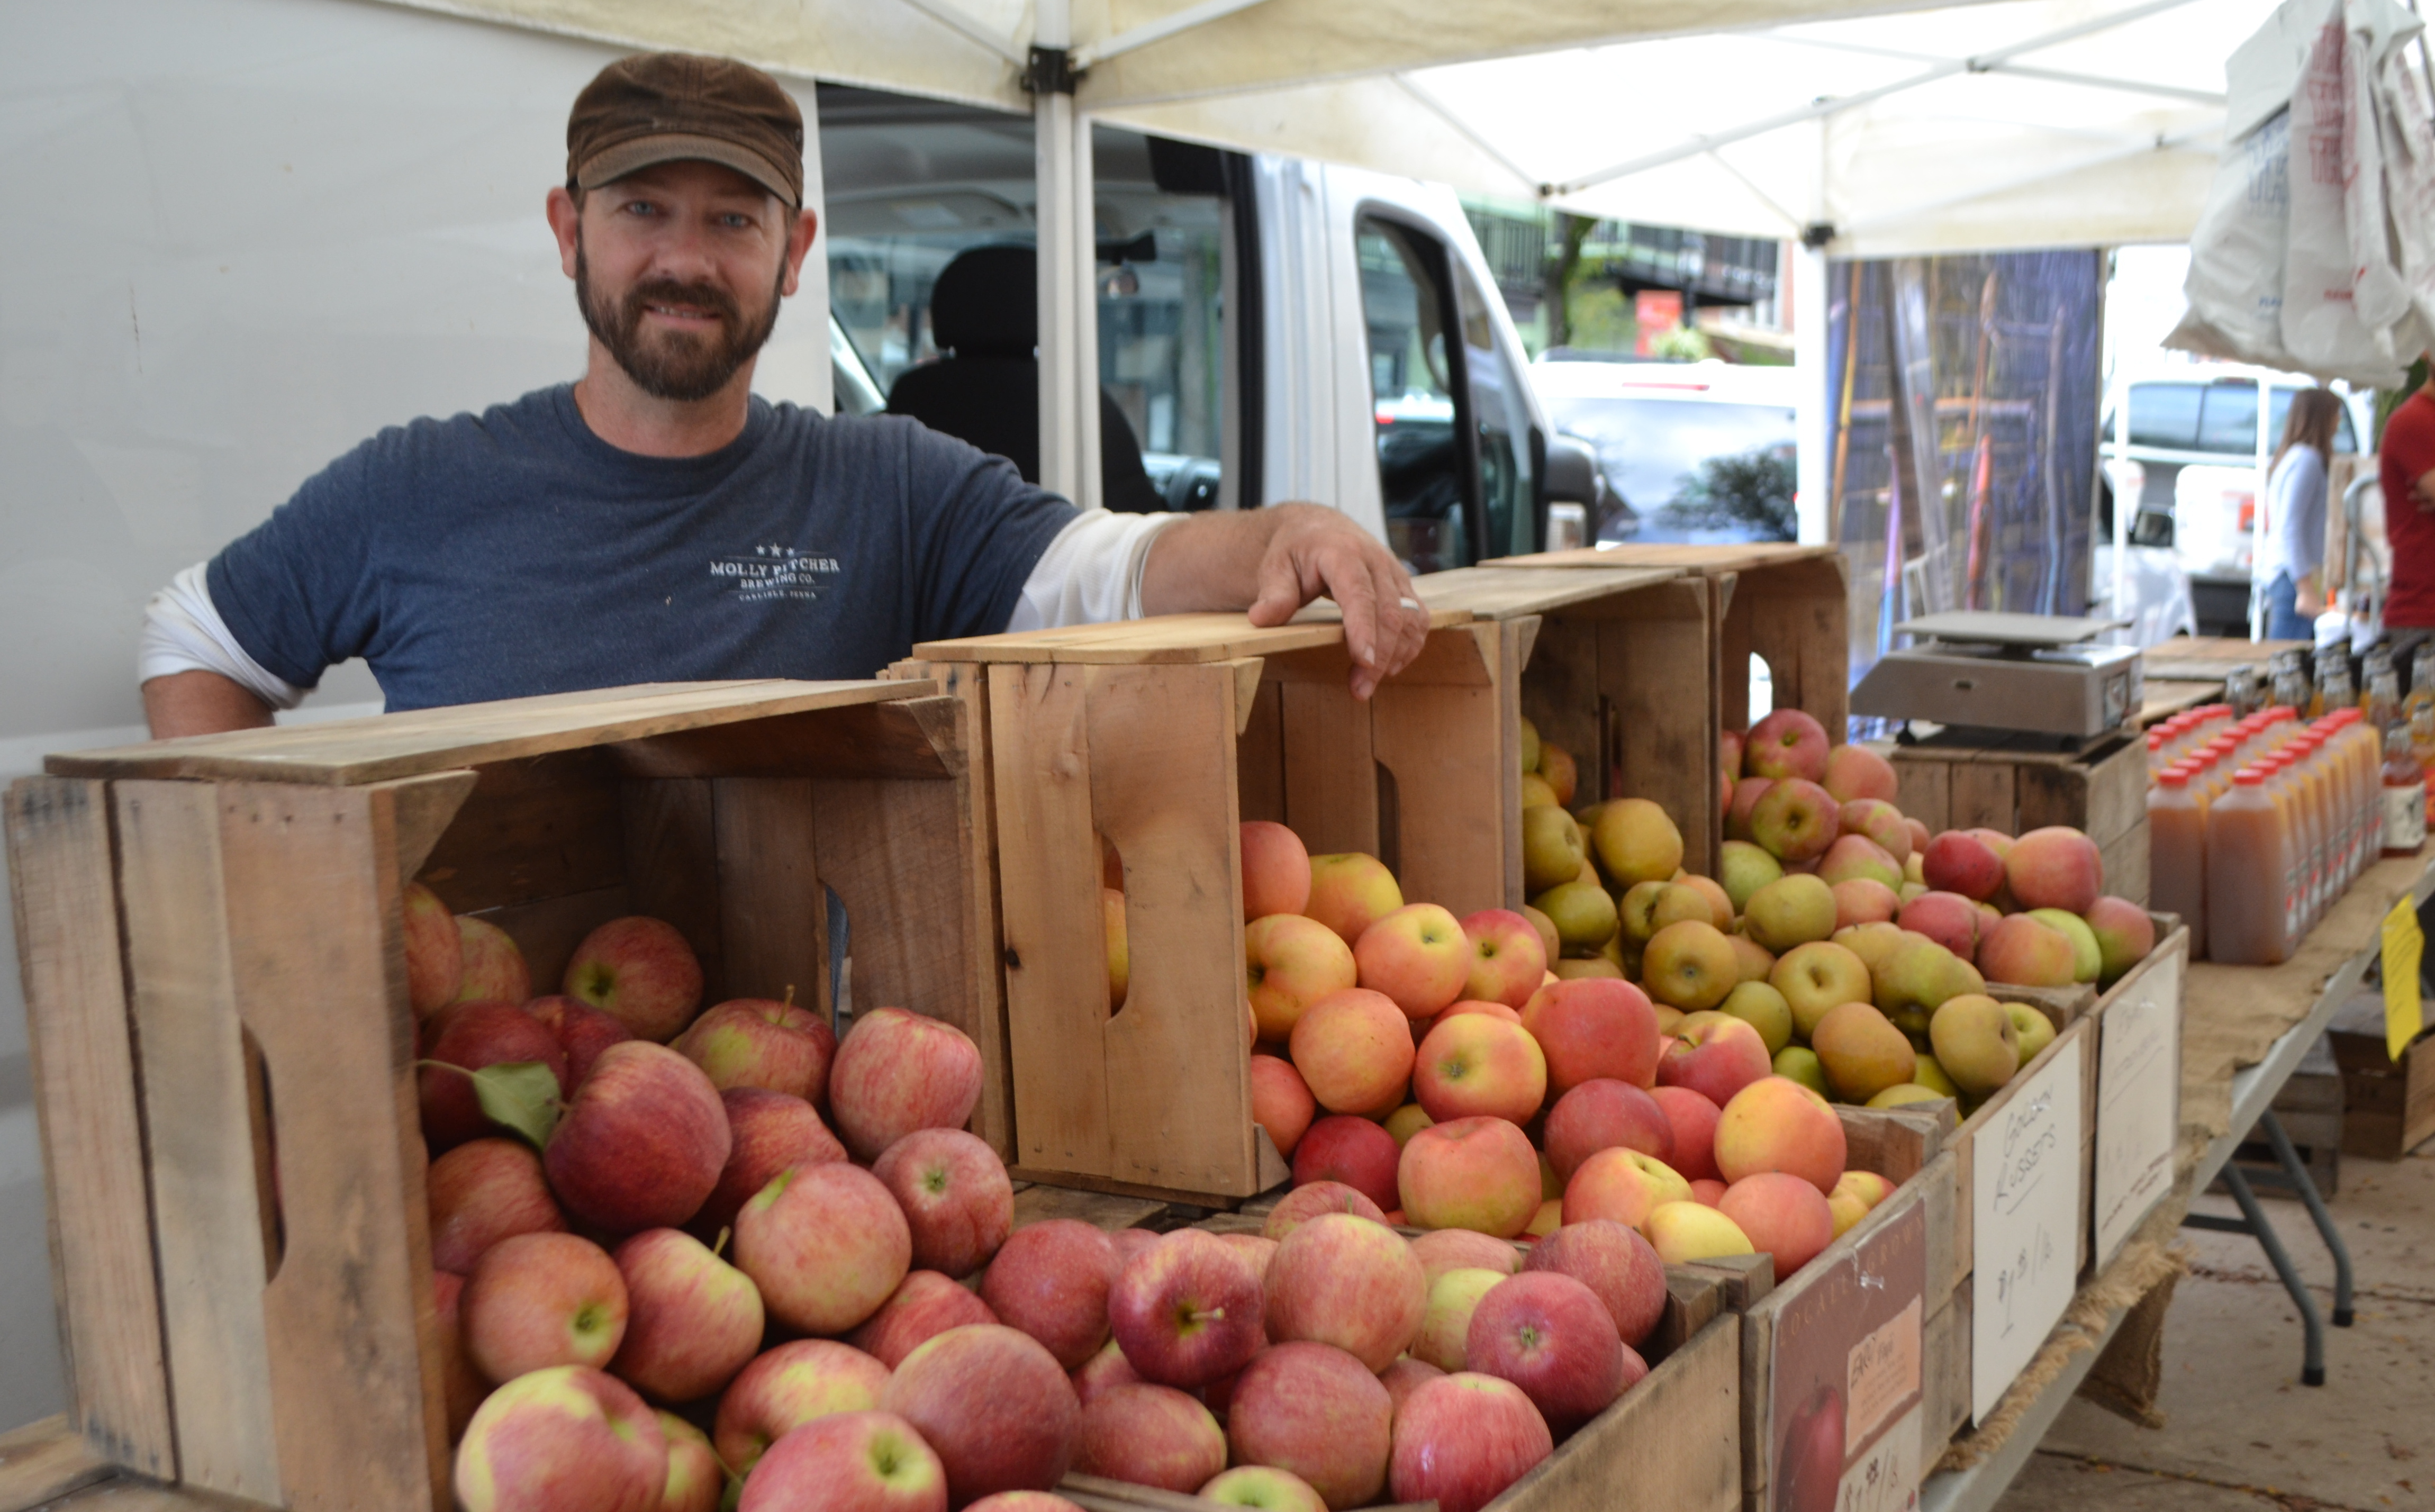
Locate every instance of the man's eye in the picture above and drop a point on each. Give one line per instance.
(640, 207)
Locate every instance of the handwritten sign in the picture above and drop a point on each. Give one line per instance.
(2138, 1099)
(2026, 1209)
(1882, 1375)
(1886, 1479)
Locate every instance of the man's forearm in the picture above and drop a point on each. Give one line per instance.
(199, 704)
(1209, 561)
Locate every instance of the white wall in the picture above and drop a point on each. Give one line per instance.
(243, 235)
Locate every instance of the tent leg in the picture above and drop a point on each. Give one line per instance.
(1068, 251)
(1812, 401)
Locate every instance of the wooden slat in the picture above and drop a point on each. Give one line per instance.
(1260, 756)
(1038, 1204)
(1444, 742)
(85, 1097)
(671, 859)
(1331, 770)
(1725, 559)
(1504, 592)
(317, 960)
(869, 740)
(44, 1461)
(198, 1126)
(548, 931)
(1798, 610)
(1164, 637)
(1944, 1386)
(425, 808)
(1664, 723)
(1673, 1441)
(1924, 791)
(538, 827)
(349, 751)
(1982, 797)
(2126, 860)
(773, 913)
(1516, 642)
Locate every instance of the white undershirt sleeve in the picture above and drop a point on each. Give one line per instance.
(183, 632)
(1091, 573)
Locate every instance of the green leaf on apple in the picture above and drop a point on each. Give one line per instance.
(522, 1094)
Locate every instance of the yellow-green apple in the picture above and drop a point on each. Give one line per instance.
(1447, 1324)
(1549, 1218)
(692, 1319)
(1476, 1173)
(1795, 821)
(1930, 1073)
(1862, 1051)
(1116, 931)
(1597, 969)
(1549, 1334)
(1689, 966)
(1636, 911)
(2125, 935)
(1105, 1369)
(1266, 1488)
(1976, 1047)
(473, 1035)
(850, 1461)
(1494, 1010)
(697, 1481)
(761, 1042)
(461, 1386)
(1959, 860)
(1919, 974)
(1744, 868)
(1318, 1414)
(1506, 958)
(1583, 912)
(2087, 958)
(1764, 1009)
(543, 1300)
(642, 1143)
(1050, 1279)
(1476, 1064)
(1594, 1028)
(1683, 1232)
(826, 1244)
(786, 1386)
(1553, 847)
(1864, 901)
(1403, 1378)
(1801, 1064)
(640, 972)
(1855, 772)
(1720, 904)
(957, 1202)
(483, 1192)
(1281, 1102)
(1782, 1216)
(1417, 956)
(1789, 911)
(1636, 841)
(1778, 1124)
(1537, 793)
(769, 1132)
(1601, 1114)
(1738, 808)
(1904, 1095)
(1872, 943)
(1353, 1283)
(2025, 952)
(2055, 867)
(1290, 963)
(493, 967)
(1856, 1194)
(1947, 917)
(1753, 960)
(1186, 1311)
(1461, 1440)
(1624, 1186)
(896, 1071)
(1443, 1250)
(1909, 891)
(1313, 1199)
(581, 1030)
(1693, 1119)
(1788, 743)
(565, 1436)
(1915, 871)
(1350, 891)
(1354, 1048)
(924, 1305)
(1716, 1058)
(994, 1405)
(1276, 871)
(1618, 1264)
(1817, 978)
(435, 951)
(1881, 823)
(1150, 1435)
(2034, 1030)
(1550, 943)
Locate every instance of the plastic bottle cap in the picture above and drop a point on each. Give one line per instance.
(2249, 777)
(2174, 777)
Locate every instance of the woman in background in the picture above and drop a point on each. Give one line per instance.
(2292, 559)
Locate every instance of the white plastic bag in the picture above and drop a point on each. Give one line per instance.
(2342, 294)
(2235, 286)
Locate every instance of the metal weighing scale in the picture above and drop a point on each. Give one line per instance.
(2028, 674)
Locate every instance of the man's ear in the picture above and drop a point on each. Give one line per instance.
(564, 219)
(798, 244)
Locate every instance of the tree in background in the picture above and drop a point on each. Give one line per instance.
(1751, 492)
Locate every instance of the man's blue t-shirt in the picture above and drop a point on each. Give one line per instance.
(515, 552)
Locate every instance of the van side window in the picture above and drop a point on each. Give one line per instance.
(1501, 428)
(2165, 415)
(1423, 473)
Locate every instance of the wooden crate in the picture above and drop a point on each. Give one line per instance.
(2014, 787)
(1156, 737)
(2388, 1109)
(213, 949)
(2134, 1130)
(1603, 661)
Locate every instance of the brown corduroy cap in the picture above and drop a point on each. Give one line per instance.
(656, 108)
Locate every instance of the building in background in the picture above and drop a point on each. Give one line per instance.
(1611, 288)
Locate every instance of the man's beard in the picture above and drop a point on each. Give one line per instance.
(674, 366)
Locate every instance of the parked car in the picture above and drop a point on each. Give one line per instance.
(1656, 425)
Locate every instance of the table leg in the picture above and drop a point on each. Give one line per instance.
(2307, 1187)
(2253, 1223)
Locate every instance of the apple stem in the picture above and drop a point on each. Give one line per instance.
(719, 1251)
(790, 994)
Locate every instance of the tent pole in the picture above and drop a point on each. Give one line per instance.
(1068, 256)
(1810, 420)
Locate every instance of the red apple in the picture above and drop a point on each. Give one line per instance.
(1472, 1173)
(1461, 1440)
(1508, 961)
(849, 1462)
(1778, 1124)
(435, 951)
(896, 1071)
(1949, 919)
(925, 1305)
(1128, 1244)
(495, 970)
(1023, 1502)
(1350, 891)
(787, 1386)
(1281, 1102)
(1591, 1028)
(1444, 1249)
(1616, 1263)
(2027, 951)
(697, 1481)
(1864, 901)
(565, 1436)
(1474, 1064)
(642, 972)
(481, 1193)
(581, 1030)
(1291, 962)
(2125, 935)
(1624, 1185)
(1957, 860)
(1107, 1368)
(825, 1243)
(643, 1142)
(955, 1195)
(1694, 1120)
(1738, 808)
(537, 1301)
(693, 1320)
(1715, 1058)
(1050, 1280)
(1350, 1283)
(1150, 1435)
(1551, 1335)
(1788, 743)
(460, 1384)
(1276, 871)
(473, 1035)
(1796, 821)
(1353, 1151)
(1404, 1376)
(1354, 1050)
(1601, 1114)
(770, 1131)
(1303, 1203)
(1782, 1216)
(1855, 772)
(1319, 1414)
(996, 1407)
(1186, 1311)
(1418, 957)
(757, 1042)
(1707, 1192)
(2055, 867)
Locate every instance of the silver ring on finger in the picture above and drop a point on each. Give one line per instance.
(1408, 603)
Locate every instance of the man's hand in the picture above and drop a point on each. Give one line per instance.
(1273, 561)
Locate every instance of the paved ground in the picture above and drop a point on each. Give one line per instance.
(2241, 1432)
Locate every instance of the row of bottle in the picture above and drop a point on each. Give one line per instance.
(2255, 833)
